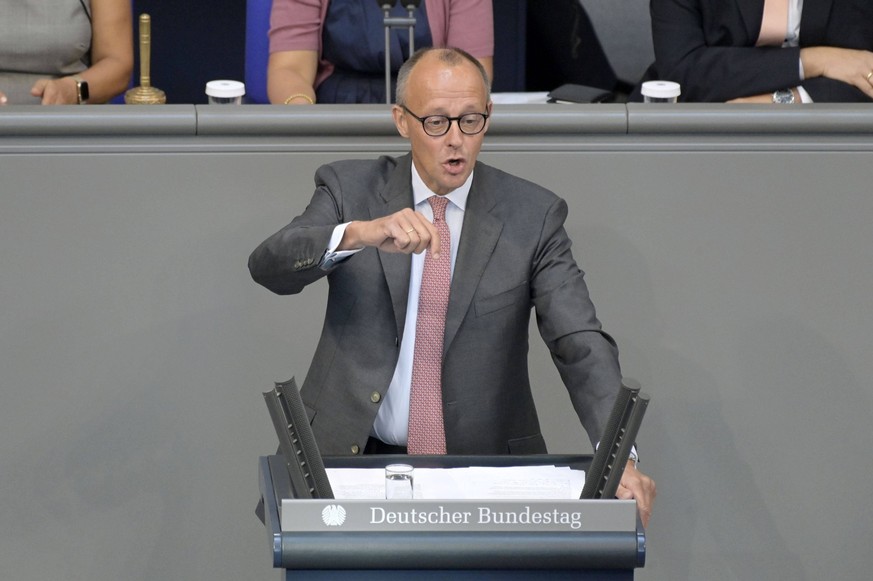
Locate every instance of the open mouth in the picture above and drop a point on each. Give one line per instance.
(454, 163)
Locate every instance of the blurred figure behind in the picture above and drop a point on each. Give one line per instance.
(715, 49)
(332, 51)
(50, 48)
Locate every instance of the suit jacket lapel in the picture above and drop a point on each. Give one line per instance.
(752, 12)
(478, 238)
(814, 21)
(396, 196)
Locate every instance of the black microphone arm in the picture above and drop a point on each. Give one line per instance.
(306, 473)
(394, 22)
(410, 4)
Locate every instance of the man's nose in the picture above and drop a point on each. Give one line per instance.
(454, 134)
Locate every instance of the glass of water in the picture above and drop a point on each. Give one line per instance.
(398, 482)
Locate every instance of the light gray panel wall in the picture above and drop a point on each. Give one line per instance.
(733, 271)
(133, 351)
(734, 285)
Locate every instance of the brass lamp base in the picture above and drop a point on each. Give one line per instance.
(145, 96)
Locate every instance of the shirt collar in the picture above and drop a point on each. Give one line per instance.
(458, 197)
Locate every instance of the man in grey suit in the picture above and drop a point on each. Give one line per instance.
(368, 229)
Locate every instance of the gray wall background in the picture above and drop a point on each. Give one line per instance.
(728, 251)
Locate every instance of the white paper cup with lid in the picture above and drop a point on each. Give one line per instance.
(224, 92)
(661, 91)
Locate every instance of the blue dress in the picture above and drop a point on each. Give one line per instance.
(353, 40)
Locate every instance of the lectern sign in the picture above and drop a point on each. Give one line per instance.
(325, 515)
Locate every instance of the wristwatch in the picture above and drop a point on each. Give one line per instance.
(82, 93)
(784, 97)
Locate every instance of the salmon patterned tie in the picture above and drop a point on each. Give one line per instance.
(426, 430)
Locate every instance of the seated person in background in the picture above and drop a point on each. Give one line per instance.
(333, 51)
(48, 48)
(563, 47)
(765, 51)
(434, 262)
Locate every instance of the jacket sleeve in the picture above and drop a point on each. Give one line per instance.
(288, 260)
(586, 356)
(716, 61)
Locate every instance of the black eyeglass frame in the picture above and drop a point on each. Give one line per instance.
(457, 120)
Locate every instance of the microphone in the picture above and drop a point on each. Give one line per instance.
(390, 23)
(388, 4)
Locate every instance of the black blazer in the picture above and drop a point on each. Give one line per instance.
(513, 256)
(708, 46)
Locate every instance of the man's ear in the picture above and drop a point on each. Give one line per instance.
(488, 109)
(400, 121)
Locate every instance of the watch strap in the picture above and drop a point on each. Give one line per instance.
(82, 92)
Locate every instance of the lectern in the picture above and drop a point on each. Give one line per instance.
(316, 536)
(326, 538)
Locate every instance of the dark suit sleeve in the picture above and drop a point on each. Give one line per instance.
(837, 23)
(288, 260)
(708, 47)
(585, 356)
(703, 46)
(824, 90)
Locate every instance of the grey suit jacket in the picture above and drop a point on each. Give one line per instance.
(514, 255)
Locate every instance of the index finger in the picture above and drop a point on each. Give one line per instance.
(430, 238)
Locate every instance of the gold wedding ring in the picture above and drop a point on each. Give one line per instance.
(870, 74)
(410, 230)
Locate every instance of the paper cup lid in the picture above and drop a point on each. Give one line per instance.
(661, 89)
(225, 89)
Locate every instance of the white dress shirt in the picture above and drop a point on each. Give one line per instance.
(795, 11)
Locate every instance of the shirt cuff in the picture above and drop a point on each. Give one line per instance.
(633, 456)
(332, 256)
(804, 96)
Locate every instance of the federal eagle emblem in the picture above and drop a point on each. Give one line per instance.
(333, 515)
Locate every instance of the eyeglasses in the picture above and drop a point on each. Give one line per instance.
(437, 125)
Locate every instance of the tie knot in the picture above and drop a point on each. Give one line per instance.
(438, 203)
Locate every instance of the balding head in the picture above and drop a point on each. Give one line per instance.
(451, 57)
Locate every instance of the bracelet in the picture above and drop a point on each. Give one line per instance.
(304, 95)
